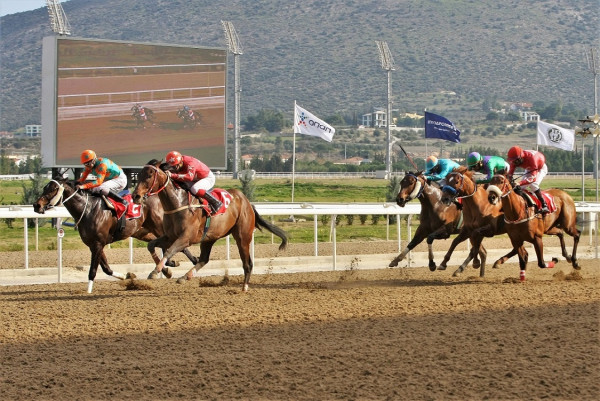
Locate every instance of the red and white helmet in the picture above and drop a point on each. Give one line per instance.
(515, 153)
(173, 158)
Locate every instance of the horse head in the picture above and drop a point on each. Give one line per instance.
(411, 187)
(151, 180)
(498, 187)
(52, 194)
(455, 185)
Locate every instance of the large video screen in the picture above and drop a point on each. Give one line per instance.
(132, 102)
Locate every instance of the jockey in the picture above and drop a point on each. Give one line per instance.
(110, 178)
(189, 111)
(534, 164)
(437, 170)
(142, 112)
(489, 165)
(194, 175)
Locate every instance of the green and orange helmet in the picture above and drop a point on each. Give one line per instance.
(88, 156)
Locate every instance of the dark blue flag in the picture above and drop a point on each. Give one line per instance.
(440, 127)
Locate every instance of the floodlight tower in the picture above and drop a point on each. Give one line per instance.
(387, 63)
(58, 18)
(235, 47)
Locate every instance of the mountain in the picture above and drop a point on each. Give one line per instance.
(322, 53)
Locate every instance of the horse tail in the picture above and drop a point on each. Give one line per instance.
(261, 223)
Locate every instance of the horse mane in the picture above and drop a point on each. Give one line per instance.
(158, 163)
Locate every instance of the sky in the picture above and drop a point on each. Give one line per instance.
(17, 6)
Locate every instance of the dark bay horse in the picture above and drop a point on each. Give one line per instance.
(481, 219)
(190, 118)
(186, 222)
(96, 223)
(523, 224)
(436, 221)
(141, 115)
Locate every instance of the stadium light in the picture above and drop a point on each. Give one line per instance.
(387, 63)
(58, 18)
(594, 66)
(235, 47)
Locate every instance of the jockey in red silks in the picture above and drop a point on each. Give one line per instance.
(193, 175)
(110, 178)
(534, 164)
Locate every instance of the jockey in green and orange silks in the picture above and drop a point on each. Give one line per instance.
(110, 178)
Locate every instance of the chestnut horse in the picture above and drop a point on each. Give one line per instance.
(523, 224)
(97, 224)
(481, 219)
(436, 221)
(186, 221)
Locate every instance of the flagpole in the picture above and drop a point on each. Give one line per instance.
(425, 133)
(294, 151)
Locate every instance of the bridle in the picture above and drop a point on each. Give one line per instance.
(58, 198)
(418, 190)
(154, 181)
(500, 192)
(454, 191)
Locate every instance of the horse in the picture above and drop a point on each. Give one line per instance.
(141, 117)
(190, 118)
(481, 219)
(97, 225)
(523, 224)
(188, 222)
(436, 221)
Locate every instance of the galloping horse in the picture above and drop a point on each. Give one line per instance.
(436, 221)
(524, 225)
(141, 115)
(190, 118)
(186, 222)
(481, 219)
(97, 224)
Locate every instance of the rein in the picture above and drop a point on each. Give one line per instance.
(462, 184)
(527, 218)
(59, 197)
(150, 193)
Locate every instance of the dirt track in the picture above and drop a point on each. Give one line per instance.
(383, 334)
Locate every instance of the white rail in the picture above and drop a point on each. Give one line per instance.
(588, 212)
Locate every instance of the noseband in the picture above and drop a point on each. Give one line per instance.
(154, 181)
(418, 190)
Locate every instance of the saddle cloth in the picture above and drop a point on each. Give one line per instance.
(134, 211)
(547, 197)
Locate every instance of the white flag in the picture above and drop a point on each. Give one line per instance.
(306, 123)
(553, 135)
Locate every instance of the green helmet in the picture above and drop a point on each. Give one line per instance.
(473, 159)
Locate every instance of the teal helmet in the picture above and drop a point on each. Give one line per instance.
(473, 159)
(432, 161)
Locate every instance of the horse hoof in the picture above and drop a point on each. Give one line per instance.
(432, 267)
(183, 279)
(153, 275)
(130, 276)
(441, 267)
(167, 272)
(393, 263)
(172, 263)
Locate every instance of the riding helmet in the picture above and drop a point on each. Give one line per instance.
(473, 159)
(174, 158)
(515, 153)
(87, 155)
(432, 161)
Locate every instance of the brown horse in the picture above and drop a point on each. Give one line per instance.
(186, 222)
(523, 224)
(436, 221)
(97, 225)
(481, 219)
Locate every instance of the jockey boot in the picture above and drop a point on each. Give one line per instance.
(544, 208)
(117, 197)
(214, 203)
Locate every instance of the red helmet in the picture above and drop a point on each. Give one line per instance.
(515, 153)
(87, 155)
(174, 158)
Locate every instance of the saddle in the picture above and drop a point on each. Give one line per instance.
(533, 200)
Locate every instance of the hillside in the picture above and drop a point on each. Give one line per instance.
(322, 53)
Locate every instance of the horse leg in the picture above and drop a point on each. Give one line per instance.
(168, 252)
(95, 249)
(575, 233)
(205, 249)
(523, 257)
(504, 258)
(462, 235)
(106, 267)
(419, 236)
(538, 245)
(441, 233)
(243, 238)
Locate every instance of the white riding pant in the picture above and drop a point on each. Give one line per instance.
(204, 185)
(535, 185)
(116, 185)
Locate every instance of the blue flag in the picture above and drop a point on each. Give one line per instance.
(440, 127)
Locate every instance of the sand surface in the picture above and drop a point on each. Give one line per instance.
(401, 333)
